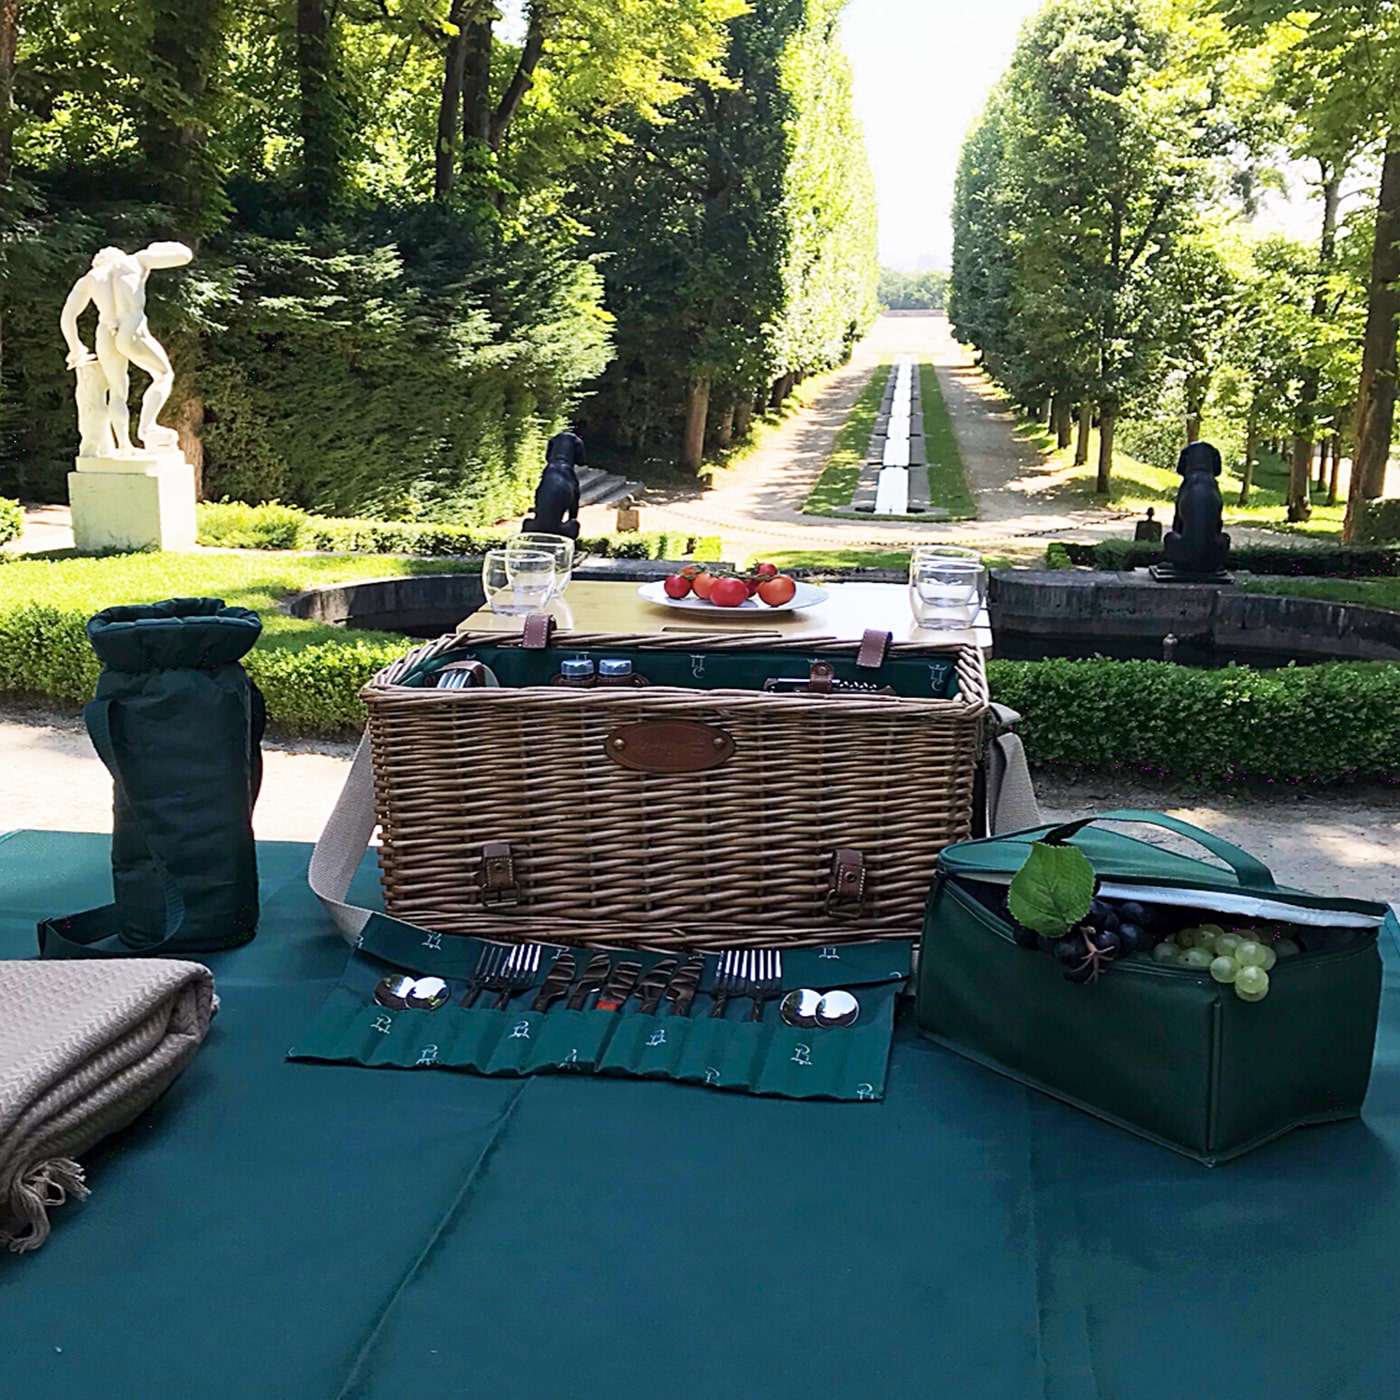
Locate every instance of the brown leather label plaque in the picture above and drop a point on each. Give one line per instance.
(669, 746)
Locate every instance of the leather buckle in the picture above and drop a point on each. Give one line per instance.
(874, 649)
(498, 887)
(846, 897)
(820, 677)
(536, 631)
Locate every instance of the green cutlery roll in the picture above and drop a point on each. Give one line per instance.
(766, 1057)
(1164, 1051)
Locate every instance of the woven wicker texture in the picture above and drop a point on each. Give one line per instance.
(739, 855)
(85, 1046)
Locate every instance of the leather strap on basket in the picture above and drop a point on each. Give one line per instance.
(846, 897)
(537, 632)
(821, 675)
(874, 648)
(498, 887)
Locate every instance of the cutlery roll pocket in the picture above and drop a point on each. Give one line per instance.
(766, 1057)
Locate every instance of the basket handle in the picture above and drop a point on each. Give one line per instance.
(1251, 873)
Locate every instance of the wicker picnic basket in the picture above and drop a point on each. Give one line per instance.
(671, 816)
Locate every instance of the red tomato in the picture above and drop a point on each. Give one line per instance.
(752, 585)
(728, 592)
(691, 570)
(768, 570)
(777, 590)
(702, 583)
(677, 586)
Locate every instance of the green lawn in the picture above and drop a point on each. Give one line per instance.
(858, 559)
(246, 580)
(947, 483)
(1137, 485)
(310, 673)
(837, 483)
(1373, 592)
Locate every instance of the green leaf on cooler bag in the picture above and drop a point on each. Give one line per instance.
(1052, 891)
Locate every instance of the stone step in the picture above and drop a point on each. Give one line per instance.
(605, 488)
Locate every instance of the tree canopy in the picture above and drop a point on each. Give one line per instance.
(1103, 255)
(423, 232)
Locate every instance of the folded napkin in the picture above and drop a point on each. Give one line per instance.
(85, 1046)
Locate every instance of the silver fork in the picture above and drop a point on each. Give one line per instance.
(728, 980)
(764, 981)
(488, 967)
(518, 973)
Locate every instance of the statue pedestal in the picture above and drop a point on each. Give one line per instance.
(129, 503)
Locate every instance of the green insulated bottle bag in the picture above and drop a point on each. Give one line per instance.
(179, 725)
(1160, 1048)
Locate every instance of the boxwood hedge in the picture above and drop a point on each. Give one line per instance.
(234, 525)
(1279, 560)
(1335, 722)
(11, 520)
(1328, 723)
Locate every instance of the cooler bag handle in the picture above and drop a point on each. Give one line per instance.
(1251, 873)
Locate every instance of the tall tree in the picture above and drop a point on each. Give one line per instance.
(179, 103)
(1097, 138)
(9, 41)
(1351, 50)
(738, 237)
(323, 118)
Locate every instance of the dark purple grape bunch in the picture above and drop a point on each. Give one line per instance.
(1107, 932)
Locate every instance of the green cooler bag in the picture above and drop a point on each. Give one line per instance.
(1162, 1050)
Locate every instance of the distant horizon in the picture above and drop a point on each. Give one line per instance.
(922, 70)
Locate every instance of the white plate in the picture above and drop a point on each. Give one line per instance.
(808, 595)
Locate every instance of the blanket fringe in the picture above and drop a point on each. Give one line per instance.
(33, 1195)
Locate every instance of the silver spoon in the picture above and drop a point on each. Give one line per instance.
(800, 1008)
(394, 991)
(428, 993)
(837, 1009)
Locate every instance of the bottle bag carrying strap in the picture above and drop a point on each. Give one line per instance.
(341, 848)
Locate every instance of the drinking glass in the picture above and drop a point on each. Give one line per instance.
(946, 586)
(561, 547)
(519, 581)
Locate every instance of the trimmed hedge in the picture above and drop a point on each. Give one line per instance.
(1277, 560)
(1329, 723)
(1057, 556)
(11, 520)
(1380, 522)
(234, 525)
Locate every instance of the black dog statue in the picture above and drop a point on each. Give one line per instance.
(1196, 547)
(556, 497)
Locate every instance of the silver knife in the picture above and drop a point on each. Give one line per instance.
(594, 975)
(561, 974)
(654, 984)
(681, 992)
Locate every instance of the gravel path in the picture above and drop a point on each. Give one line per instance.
(758, 505)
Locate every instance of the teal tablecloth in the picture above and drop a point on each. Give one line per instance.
(286, 1230)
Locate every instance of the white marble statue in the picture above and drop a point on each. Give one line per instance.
(116, 284)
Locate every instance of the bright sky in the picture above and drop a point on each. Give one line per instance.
(923, 69)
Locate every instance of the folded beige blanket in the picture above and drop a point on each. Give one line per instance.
(85, 1046)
